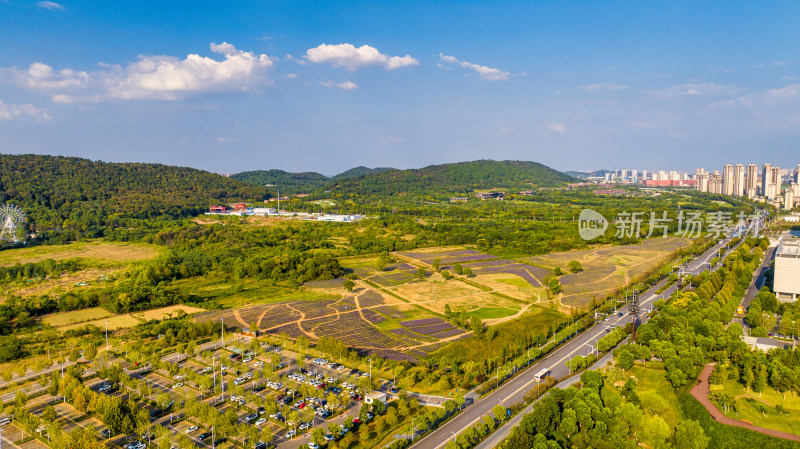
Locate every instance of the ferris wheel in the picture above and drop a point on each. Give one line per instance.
(11, 217)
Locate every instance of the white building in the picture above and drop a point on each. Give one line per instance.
(787, 270)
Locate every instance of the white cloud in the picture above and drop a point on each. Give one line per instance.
(607, 87)
(225, 140)
(486, 73)
(290, 76)
(352, 58)
(692, 90)
(10, 111)
(51, 6)
(772, 97)
(347, 85)
(152, 77)
(556, 127)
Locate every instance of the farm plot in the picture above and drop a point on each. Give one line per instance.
(606, 269)
(331, 283)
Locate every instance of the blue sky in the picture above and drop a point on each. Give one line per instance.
(325, 86)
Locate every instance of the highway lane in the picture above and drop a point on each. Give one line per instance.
(514, 390)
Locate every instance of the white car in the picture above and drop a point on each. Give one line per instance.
(177, 385)
(191, 429)
(313, 445)
(290, 434)
(247, 360)
(258, 364)
(261, 421)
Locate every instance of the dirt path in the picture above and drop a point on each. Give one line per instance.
(700, 392)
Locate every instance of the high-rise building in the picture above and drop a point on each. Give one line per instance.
(797, 174)
(788, 199)
(751, 188)
(702, 182)
(644, 175)
(766, 178)
(715, 183)
(738, 180)
(727, 179)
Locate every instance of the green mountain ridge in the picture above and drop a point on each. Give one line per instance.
(301, 182)
(460, 177)
(59, 192)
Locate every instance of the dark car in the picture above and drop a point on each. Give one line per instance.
(261, 411)
(260, 445)
(258, 388)
(287, 400)
(219, 441)
(204, 435)
(156, 413)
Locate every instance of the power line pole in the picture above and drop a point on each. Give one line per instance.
(634, 313)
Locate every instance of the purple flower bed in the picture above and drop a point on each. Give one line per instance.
(449, 333)
(390, 311)
(404, 332)
(431, 256)
(518, 269)
(432, 328)
(421, 322)
(490, 263)
(370, 298)
(466, 259)
(372, 317)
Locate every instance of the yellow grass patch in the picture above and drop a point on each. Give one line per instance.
(76, 316)
(435, 293)
(109, 252)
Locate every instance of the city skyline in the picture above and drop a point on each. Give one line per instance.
(326, 87)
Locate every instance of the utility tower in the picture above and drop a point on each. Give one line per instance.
(634, 313)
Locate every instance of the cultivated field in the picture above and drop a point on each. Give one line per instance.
(606, 269)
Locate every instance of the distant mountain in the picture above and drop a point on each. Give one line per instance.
(359, 171)
(462, 177)
(304, 182)
(587, 174)
(90, 196)
(286, 182)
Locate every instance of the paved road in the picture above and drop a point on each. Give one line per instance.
(514, 390)
(758, 279)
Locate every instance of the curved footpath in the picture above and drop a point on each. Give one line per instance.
(700, 392)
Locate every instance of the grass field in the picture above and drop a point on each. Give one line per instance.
(535, 320)
(102, 260)
(760, 409)
(491, 313)
(98, 317)
(434, 293)
(107, 252)
(76, 316)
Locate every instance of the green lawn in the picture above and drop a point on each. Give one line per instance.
(489, 313)
(760, 409)
(515, 281)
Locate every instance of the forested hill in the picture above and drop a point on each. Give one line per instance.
(461, 177)
(303, 182)
(287, 182)
(89, 196)
(359, 171)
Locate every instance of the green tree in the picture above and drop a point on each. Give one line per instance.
(690, 435)
(468, 272)
(624, 359)
(420, 273)
(435, 263)
(458, 269)
(49, 414)
(574, 266)
(348, 285)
